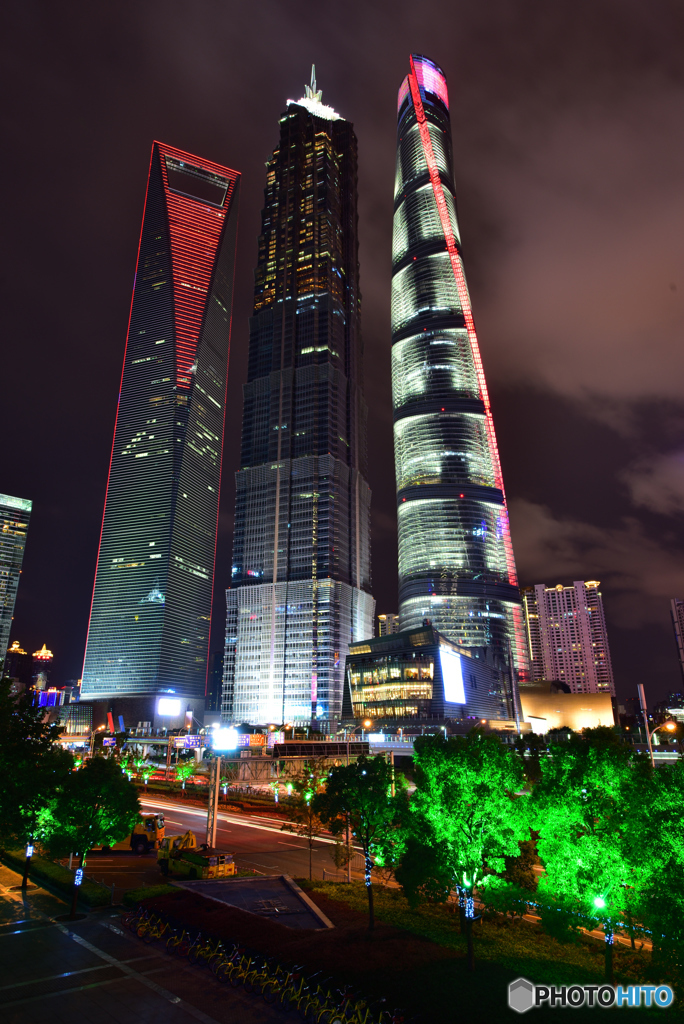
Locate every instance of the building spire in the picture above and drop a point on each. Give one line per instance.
(313, 100)
(310, 91)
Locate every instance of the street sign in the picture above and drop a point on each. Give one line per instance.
(109, 741)
(179, 741)
(193, 741)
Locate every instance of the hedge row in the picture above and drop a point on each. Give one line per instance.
(92, 894)
(132, 897)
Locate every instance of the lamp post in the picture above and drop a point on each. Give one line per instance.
(92, 738)
(670, 726)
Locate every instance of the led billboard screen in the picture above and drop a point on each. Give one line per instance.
(452, 675)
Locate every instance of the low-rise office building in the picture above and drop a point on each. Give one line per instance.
(551, 705)
(418, 677)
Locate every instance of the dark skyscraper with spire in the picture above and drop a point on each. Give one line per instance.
(148, 635)
(300, 589)
(456, 564)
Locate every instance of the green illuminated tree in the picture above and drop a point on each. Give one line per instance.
(579, 808)
(183, 770)
(465, 819)
(654, 846)
(359, 796)
(304, 818)
(96, 806)
(32, 768)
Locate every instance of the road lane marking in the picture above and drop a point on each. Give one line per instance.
(169, 996)
(84, 988)
(70, 974)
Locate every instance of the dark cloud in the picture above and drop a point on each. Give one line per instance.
(569, 159)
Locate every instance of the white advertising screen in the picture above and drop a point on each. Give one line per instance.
(168, 706)
(452, 675)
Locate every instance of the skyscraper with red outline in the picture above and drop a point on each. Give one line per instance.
(151, 609)
(456, 564)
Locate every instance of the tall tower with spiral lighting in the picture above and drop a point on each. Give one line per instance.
(456, 565)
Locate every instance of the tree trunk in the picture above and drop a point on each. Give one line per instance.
(369, 890)
(470, 914)
(310, 859)
(461, 909)
(74, 898)
(630, 925)
(608, 930)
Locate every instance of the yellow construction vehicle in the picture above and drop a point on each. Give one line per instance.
(181, 857)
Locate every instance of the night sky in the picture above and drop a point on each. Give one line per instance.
(569, 154)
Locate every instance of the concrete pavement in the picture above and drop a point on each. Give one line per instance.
(94, 972)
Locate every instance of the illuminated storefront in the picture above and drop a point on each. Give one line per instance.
(420, 676)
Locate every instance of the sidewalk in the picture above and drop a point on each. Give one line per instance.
(94, 972)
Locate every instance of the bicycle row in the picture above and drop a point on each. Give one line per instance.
(287, 986)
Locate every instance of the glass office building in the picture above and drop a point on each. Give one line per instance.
(456, 565)
(151, 609)
(14, 521)
(419, 677)
(300, 583)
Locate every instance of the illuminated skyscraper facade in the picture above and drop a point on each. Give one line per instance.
(150, 617)
(301, 560)
(456, 565)
(677, 614)
(567, 636)
(14, 521)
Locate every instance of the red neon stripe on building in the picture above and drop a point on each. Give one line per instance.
(195, 231)
(464, 299)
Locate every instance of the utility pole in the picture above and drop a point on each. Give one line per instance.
(642, 702)
(212, 810)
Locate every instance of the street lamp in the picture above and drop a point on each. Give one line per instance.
(367, 724)
(92, 738)
(670, 726)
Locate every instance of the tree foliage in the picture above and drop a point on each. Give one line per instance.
(304, 819)
(465, 818)
(96, 806)
(359, 796)
(579, 808)
(32, 767)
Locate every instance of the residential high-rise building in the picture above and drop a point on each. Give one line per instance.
(301, 558)
(567, 637)
(677, 614)
(456, 565)
(149, 625)
(14, 521)
(388, 624)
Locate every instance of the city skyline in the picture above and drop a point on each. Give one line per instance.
(568, 160)
(151, 611)
(300, 578)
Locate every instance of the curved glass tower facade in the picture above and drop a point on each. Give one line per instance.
(456, 565)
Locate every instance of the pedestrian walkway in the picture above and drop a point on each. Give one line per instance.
(94, 972)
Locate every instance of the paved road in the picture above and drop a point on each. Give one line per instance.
(94, 972)
(255, 842)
